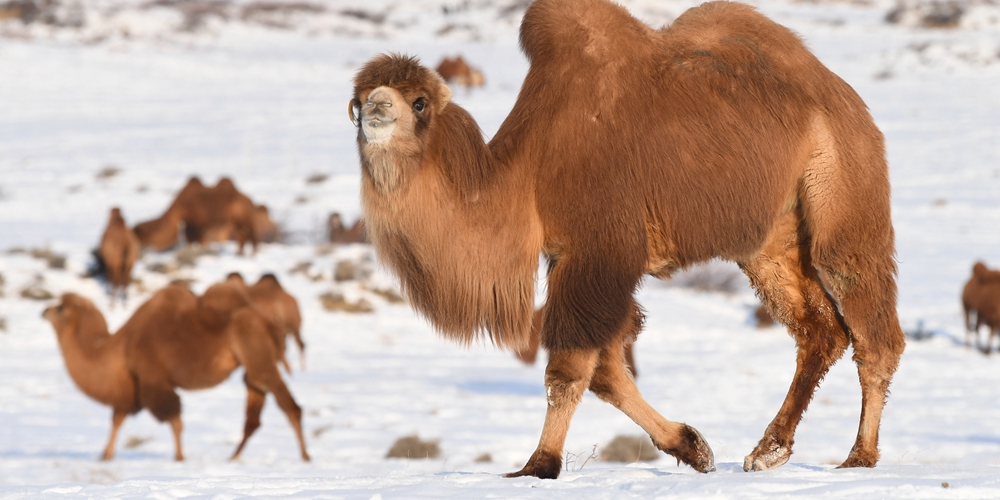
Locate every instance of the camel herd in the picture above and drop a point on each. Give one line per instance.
(630, 151)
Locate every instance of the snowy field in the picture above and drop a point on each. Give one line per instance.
(158, 94)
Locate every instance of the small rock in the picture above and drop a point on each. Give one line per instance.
(412, 447)
(629, 449)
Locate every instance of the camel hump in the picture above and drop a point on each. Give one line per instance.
(552, 29)
(979, 269)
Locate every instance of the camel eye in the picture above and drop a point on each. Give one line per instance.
(419, 105)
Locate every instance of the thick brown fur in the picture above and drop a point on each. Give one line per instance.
(277, 305)
(338, 233)
(175, 339)
(635, 151)
(981, 300)
(209, 214)
(118, 251)
(456, 70)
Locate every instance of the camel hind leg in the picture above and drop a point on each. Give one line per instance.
(255, 404)
(783, 276)
(117, 418)
(847, 208)
(255, 349)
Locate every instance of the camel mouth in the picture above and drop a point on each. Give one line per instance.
(377, 130)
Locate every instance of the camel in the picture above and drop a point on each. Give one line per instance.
(458, 71)
(278, 306)
(208, 214)
(631, 151)
(118, 252)
(981, 297)
(529, 354)
(175, 339)
(338, 233)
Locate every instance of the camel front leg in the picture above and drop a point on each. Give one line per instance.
(177, 427)
(566, 377)
(117, 418)
(612, 383)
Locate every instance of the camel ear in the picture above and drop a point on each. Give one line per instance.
(444, 90)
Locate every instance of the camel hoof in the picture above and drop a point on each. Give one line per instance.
(694, 452)
(859, 459)
(542, 465)
(767, 457)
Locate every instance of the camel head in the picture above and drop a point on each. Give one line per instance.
(116, 215)
(395, 103)
(75, 315)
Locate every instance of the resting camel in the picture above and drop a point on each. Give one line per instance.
(458, 71)
(981, 297)
(634, 151)
(118, 252)
(207, 213)
(175, 339)
(338, 233)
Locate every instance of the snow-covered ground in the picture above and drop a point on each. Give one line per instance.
(137, 89)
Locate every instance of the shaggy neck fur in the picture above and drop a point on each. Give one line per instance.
(95, 359)
(458, 228)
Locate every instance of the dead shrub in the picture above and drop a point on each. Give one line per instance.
(389, 294)
(485, 458)
(108, 172)
(712, 276)
(345, 270)
(629, 449)
(52, 260)
(317, 178)
(188, 256)
(3, 323)
(134, 442)
(412, 447)
(335, 302)
(36, 292)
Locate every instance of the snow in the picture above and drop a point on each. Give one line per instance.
(267, 106)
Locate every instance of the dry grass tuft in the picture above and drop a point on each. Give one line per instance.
(317, 178)
(36, 292)
(629, 449)
(412, 447)
(335, 302)
(108, 172)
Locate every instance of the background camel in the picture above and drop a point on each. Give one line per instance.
(456, 70)
(277, 305)
(208, 213)
(175, 339)
(635, 151)
(338, 233)
(981, 299)
(118, 252)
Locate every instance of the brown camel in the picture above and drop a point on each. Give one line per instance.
(208, 213)
(634, 151)
(118, 251)
(175, 339)
(338, 233)
(981, 297)
(277, 305)
(456, 70)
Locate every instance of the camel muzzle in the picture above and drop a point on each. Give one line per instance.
(378, 117)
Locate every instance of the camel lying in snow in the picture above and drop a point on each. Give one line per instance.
(456, 70)
(118, 252)
(175, 339)
(207, 213)
(635, 151)
(981, 299)
(338, 233)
